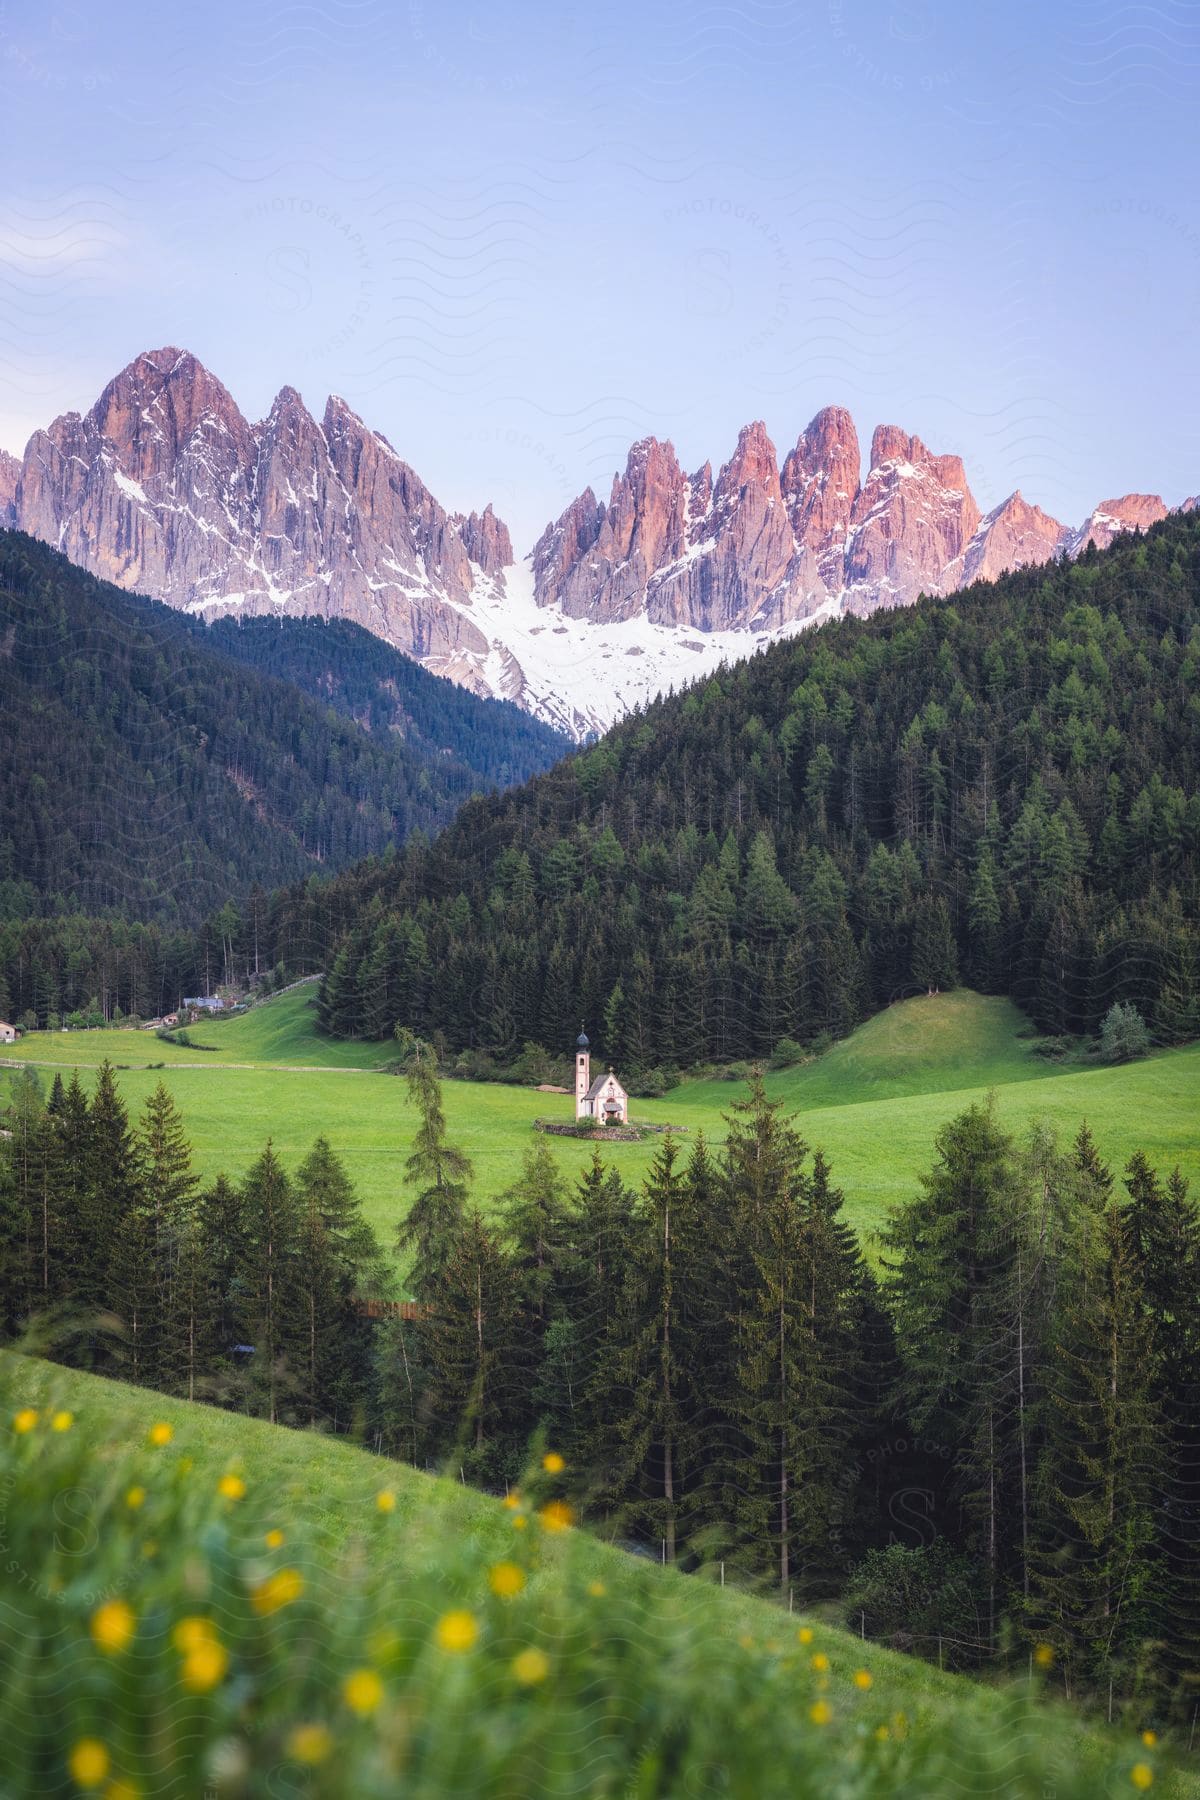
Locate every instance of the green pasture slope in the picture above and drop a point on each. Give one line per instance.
(873, 1103)
(643, 1678)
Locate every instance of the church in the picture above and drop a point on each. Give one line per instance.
(603, 1099)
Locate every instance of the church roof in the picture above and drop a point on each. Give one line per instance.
(601, 1082)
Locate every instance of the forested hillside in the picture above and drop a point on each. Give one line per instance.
(359, 675)
(145, 771)
(1001, 789)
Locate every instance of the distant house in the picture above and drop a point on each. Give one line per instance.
(8, 1033)
(169, 1019)
(205, 1003)
(603, 1099)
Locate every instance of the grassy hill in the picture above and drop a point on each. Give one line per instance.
(367, 1652)
(874, 1102)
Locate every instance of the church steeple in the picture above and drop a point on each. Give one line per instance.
(583, 1073)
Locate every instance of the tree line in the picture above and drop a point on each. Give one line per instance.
(987, 1443)
(240, 1292)
(1003, 789)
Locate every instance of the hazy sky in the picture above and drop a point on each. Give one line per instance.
(517, 237)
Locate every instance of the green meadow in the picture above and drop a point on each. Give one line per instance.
(630, 1662)
(874, 1102)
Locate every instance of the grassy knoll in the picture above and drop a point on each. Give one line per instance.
(368, 1653)
(874, 1102)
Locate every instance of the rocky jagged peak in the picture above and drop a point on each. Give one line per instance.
(819, 483)
(485, 538)
(651, 470)
(288, 402)
(564, 544)
(1131, 512)
(910, 525)
(827, 451)
(1012, 535)
(753, 464)
(164, 487)
(168, 390)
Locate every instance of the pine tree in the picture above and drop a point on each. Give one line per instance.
(948, 1267)
(114, 1270)
(934, 961)
(642, 1394)
(1093, 1577)
(538, 1235)
(167, 1199)
(195, 1312)
(440, 1173)
(1162, 1234)
(472, 1342)
(268, 1277)
(222, 1224)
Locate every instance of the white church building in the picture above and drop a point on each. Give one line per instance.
(603, 1099)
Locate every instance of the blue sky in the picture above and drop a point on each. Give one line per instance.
(518, 237)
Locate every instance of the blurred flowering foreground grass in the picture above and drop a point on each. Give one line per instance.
(194, 1605)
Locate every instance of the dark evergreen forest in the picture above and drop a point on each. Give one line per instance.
(999, 789)
(153, 769)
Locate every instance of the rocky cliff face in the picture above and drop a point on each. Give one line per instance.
(10, 474)
(1132, 512)
(165, 488)
(767, 548)
(1011, 535)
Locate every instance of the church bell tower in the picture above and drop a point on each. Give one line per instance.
(583, 1074)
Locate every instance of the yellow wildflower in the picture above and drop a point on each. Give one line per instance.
(863, 1679)
(204, 1665)
(362, 1691)
(457, 1631)
(25, 1420)
(1043, 1655)
(113, 1626)
(121, 1790)
(62, 1421)
(385, 1500)
(804, 1635)
(820, 1662)
(273, 1539)
(277, 1591)
(310, 1744)
(597, 1590)
(191, 1632)
(882, 1733)
(1141, 1775)
(556, 1515)
(506, 1579)
(512, 1501)
(232, 1487)
(519, 1521)
(820, 1712)
(530, 1667)
(553, 1463)
(161, 1434)
(135, 1497)
(1149, 1738)
(89, 1763)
